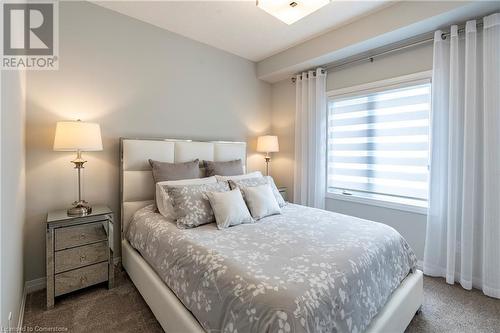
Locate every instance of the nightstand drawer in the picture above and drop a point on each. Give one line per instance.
(80, 256)
(80, 235)
(80, 278)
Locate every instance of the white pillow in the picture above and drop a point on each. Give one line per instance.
(261, 201)
(229, 208)
(238, 177)
(164, 202)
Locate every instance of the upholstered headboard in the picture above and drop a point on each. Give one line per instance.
(136, 181)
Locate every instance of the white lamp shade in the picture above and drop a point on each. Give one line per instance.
(268, 144)
(77, 135)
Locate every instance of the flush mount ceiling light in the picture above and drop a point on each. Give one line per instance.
(290, 11)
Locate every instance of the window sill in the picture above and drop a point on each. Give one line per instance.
(357, 198)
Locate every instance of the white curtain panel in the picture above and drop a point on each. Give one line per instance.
(310, 139)
(463, 223)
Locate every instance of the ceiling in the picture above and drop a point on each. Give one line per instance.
(239, 27)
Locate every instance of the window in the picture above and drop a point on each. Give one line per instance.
(378, 144)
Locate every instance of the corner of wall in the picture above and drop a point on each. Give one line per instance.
(12, 196)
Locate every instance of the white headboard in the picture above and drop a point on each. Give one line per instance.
(136, 181)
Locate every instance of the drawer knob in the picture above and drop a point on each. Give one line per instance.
(83, 257)
(82, 236)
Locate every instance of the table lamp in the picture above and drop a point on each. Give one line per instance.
(78, 136)
(268, 144)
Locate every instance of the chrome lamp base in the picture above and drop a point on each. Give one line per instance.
(80, 208)
(268, 159)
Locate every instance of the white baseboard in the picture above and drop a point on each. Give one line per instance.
(21, 311)
(35, 285)
(29, 287)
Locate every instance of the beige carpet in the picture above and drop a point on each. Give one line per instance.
(95, 309)
(122, 309)
(450, 308)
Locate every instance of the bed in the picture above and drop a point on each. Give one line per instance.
(305, 270)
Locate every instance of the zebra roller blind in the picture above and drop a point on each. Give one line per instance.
(378, 142)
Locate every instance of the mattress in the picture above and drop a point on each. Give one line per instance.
(305, 270)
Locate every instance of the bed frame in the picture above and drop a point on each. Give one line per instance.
(137, 191)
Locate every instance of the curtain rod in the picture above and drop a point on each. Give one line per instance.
(392, 48)
(461, 28)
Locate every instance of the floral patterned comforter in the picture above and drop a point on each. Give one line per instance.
(306, 270)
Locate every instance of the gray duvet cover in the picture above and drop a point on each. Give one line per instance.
(306, 270)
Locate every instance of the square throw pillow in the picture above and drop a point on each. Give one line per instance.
(228, 168)
(260, 200)
(229, 208)
(191, 206)
(259, 181)
(163, 171)
(164, 201)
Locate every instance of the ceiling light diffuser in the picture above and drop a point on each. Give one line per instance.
(290, 11)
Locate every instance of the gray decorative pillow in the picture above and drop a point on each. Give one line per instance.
(164, 202)
(229, 168)
(256, 182)
(191, 206)
(163, 171)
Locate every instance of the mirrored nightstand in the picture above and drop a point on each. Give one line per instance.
(283, 192)
(79, 251)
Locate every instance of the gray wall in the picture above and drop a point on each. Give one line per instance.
(136, 80)
(418, 59)
(12, 194)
